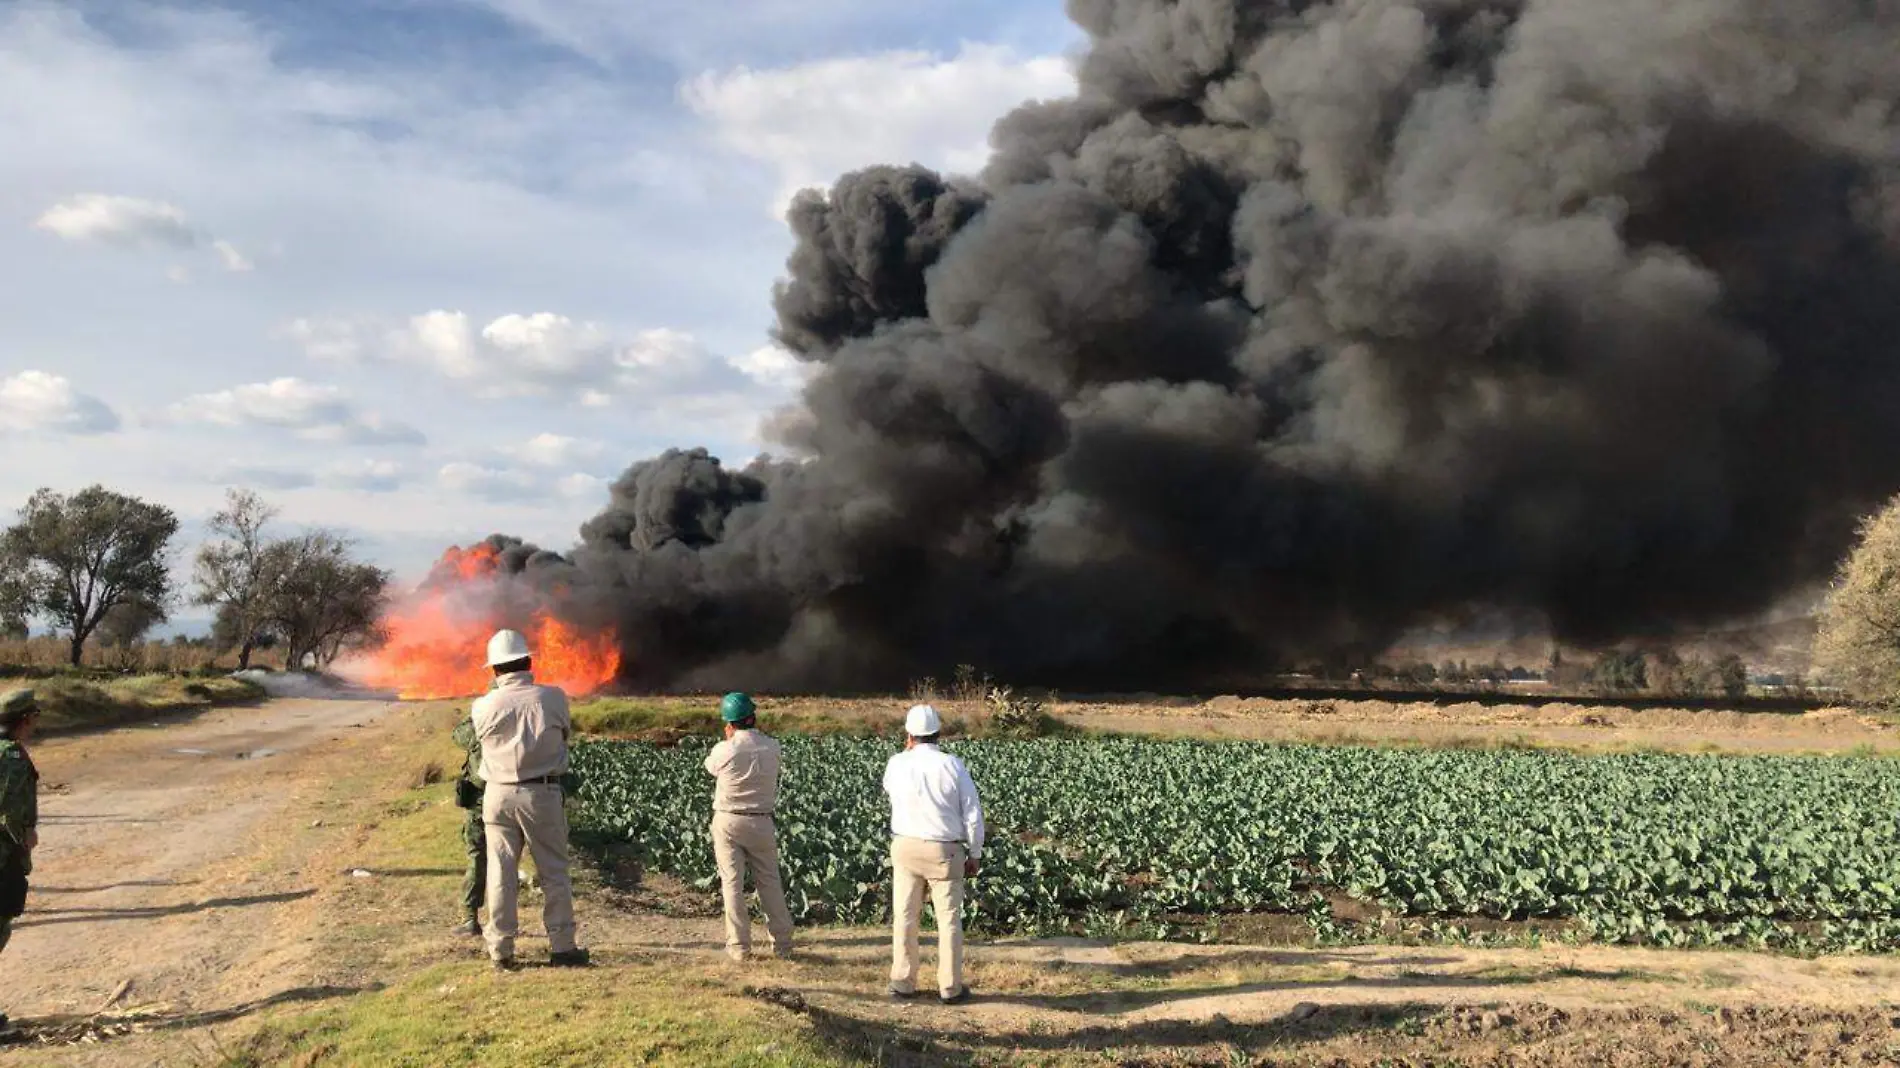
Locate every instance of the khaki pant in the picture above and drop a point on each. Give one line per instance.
(533, 815)
(915, 864)
(750, 842)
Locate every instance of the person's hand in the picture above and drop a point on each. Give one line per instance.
(969, 868)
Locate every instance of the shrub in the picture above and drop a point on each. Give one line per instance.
(1858, 644)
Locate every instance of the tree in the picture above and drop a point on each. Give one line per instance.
(231, 572)
(16, 601)
(1731, 675)
(81, 556)
(127, 622)
(1620, 672)
(322, 601)
(1858, 643)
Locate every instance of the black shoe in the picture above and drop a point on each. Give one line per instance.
(506, 964)
(471, 926)
(962, 995)
(899, 995)
(5, 1024)
(573, 958)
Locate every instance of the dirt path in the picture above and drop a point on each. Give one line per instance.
(146, 871)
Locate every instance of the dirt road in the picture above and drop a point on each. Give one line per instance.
(148, 870)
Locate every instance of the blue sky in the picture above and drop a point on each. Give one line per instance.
(428, 269)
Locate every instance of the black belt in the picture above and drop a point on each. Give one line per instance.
(545, 780)
(729, 812)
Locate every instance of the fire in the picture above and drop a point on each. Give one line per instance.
(437, 636)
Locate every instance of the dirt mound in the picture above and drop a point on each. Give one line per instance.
(1482, 1036)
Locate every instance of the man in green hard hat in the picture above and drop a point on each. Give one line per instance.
(745, 769)
(19, 808)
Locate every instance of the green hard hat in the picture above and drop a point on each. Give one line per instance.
(17, 704)
(735, 707)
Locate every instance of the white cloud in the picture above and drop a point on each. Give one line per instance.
(119, 220)
(582, 486)
(516, 485)
(38, 402)
(540, 355)
(362, 476)
(776, 366)
(815, 121)
(557, 451)
(256, 477)
(365, 476)
(314, 412)
(130, 222)
(234, 260)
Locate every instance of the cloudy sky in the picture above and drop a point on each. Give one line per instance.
(429, 269)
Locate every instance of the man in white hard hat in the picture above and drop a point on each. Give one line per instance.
(524, 728)
(936, 840)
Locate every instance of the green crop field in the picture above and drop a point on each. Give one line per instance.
(1797, 853)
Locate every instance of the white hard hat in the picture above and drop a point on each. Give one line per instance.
(506, 647)
(921, 721)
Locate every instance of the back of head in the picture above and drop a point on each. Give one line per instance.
(922, 721)
(15, 708)
(738, 710)
(508, 652)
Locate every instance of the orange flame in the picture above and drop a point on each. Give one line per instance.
(437, 637)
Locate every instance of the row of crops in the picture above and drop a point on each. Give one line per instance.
(1794, 852)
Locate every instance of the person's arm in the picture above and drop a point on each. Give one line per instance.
(973, 829)
(16, 807)
(717, 760)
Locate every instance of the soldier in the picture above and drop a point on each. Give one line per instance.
(19, 808)
(745, 767)
(469, 788)
(523, 729)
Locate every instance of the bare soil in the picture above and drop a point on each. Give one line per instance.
(220, 885)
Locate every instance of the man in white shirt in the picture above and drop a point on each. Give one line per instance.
(523, 729)
(745, 770)
(936, 841)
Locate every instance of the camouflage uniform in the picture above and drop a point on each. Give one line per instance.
(19, 820)
(474, 835)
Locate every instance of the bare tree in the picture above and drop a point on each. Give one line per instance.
(1858, 644)
(81, 556)
(322, 601)
(232, 574)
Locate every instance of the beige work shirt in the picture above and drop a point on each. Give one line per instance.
(523, 729)
(746, 769)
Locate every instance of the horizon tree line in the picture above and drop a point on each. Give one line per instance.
(96, 564)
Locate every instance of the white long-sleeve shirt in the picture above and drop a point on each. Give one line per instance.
(934, 798)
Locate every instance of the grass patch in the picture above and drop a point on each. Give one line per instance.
(664, 720)
(670, 719)
(69, 704)
(632, 1013)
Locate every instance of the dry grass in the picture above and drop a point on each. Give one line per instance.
(40, 655)
(70, 703)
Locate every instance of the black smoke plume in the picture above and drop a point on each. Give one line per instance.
(1304, 323)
